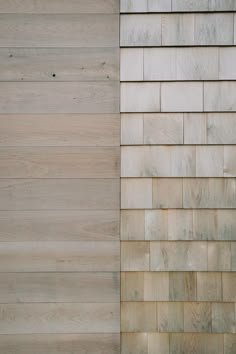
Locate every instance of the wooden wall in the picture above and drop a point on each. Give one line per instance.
(178, 169)
(59, 177)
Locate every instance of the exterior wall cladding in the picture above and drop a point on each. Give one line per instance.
(178, 169)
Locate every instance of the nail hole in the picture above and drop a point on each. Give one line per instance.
(54, 75)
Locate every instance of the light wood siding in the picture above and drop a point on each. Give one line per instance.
(59, 177)
(178, 176)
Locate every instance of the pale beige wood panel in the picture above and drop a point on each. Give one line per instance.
(59, 64)
(195, 128)
(219, 256)
(134, 343)
(132, 129)
(180, 224)
(59, 30)
(221, 128)
(136, 193)
(60, 343)
(163, 128)
(132, 286)
(59, 318)
(59, 287)
(229, 286)
(156, 225)
(167, 193)
(158, 343)
(229, 343)
(138, 317)
(209, 193)
(132, 224)
(209, 286)
(59, 97)
(60, 162)
(178, 256)
(135, 256)
(182, 286)
(197, 317)
(59, 225)
(60, 130)
(196, 343)
(59, 6)
(223, 317)
(59, 256)
(59, 194)
(170, 316)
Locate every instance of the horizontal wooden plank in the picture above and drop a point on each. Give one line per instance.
(60, 343)
(59, 287)
(54, 64)
(59, 97)
(59, 225)
(59, 6)
(60, 162)
(59, 256)
(219, 96)
(60, 130)
(59, 318)
(59, 194)
(59, 30)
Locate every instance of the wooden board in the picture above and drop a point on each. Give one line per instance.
(59, 6)
(51, 64)
(60, 343)
(59, 130)
(59, 194)
(59, 97)
(60, 162)
(28, 30)
(59, 225)
(59, 318)
(59, 256)
(59, 287)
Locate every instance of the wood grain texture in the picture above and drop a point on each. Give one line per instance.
(197, 317)
(229, 286)
(196, 343)
(178, 256)
(138, 317)
(59, 6)
(59, 287)
(182, 286)
(51, 64)
(63, 30)
(59, 225)
(59, 318)
(223, 317)
(59, 130)
(209, 286)
(170, 316)
(134, 256)
(59, 97)
(59, 194)
(59, 256)
(60, 162)
(60, 343)
(132, 225)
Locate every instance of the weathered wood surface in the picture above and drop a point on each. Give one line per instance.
(60, 343)
(59, 97)
(59, 318)
(59, 6)
(59, 130)
(51, 64)
(63, 30)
